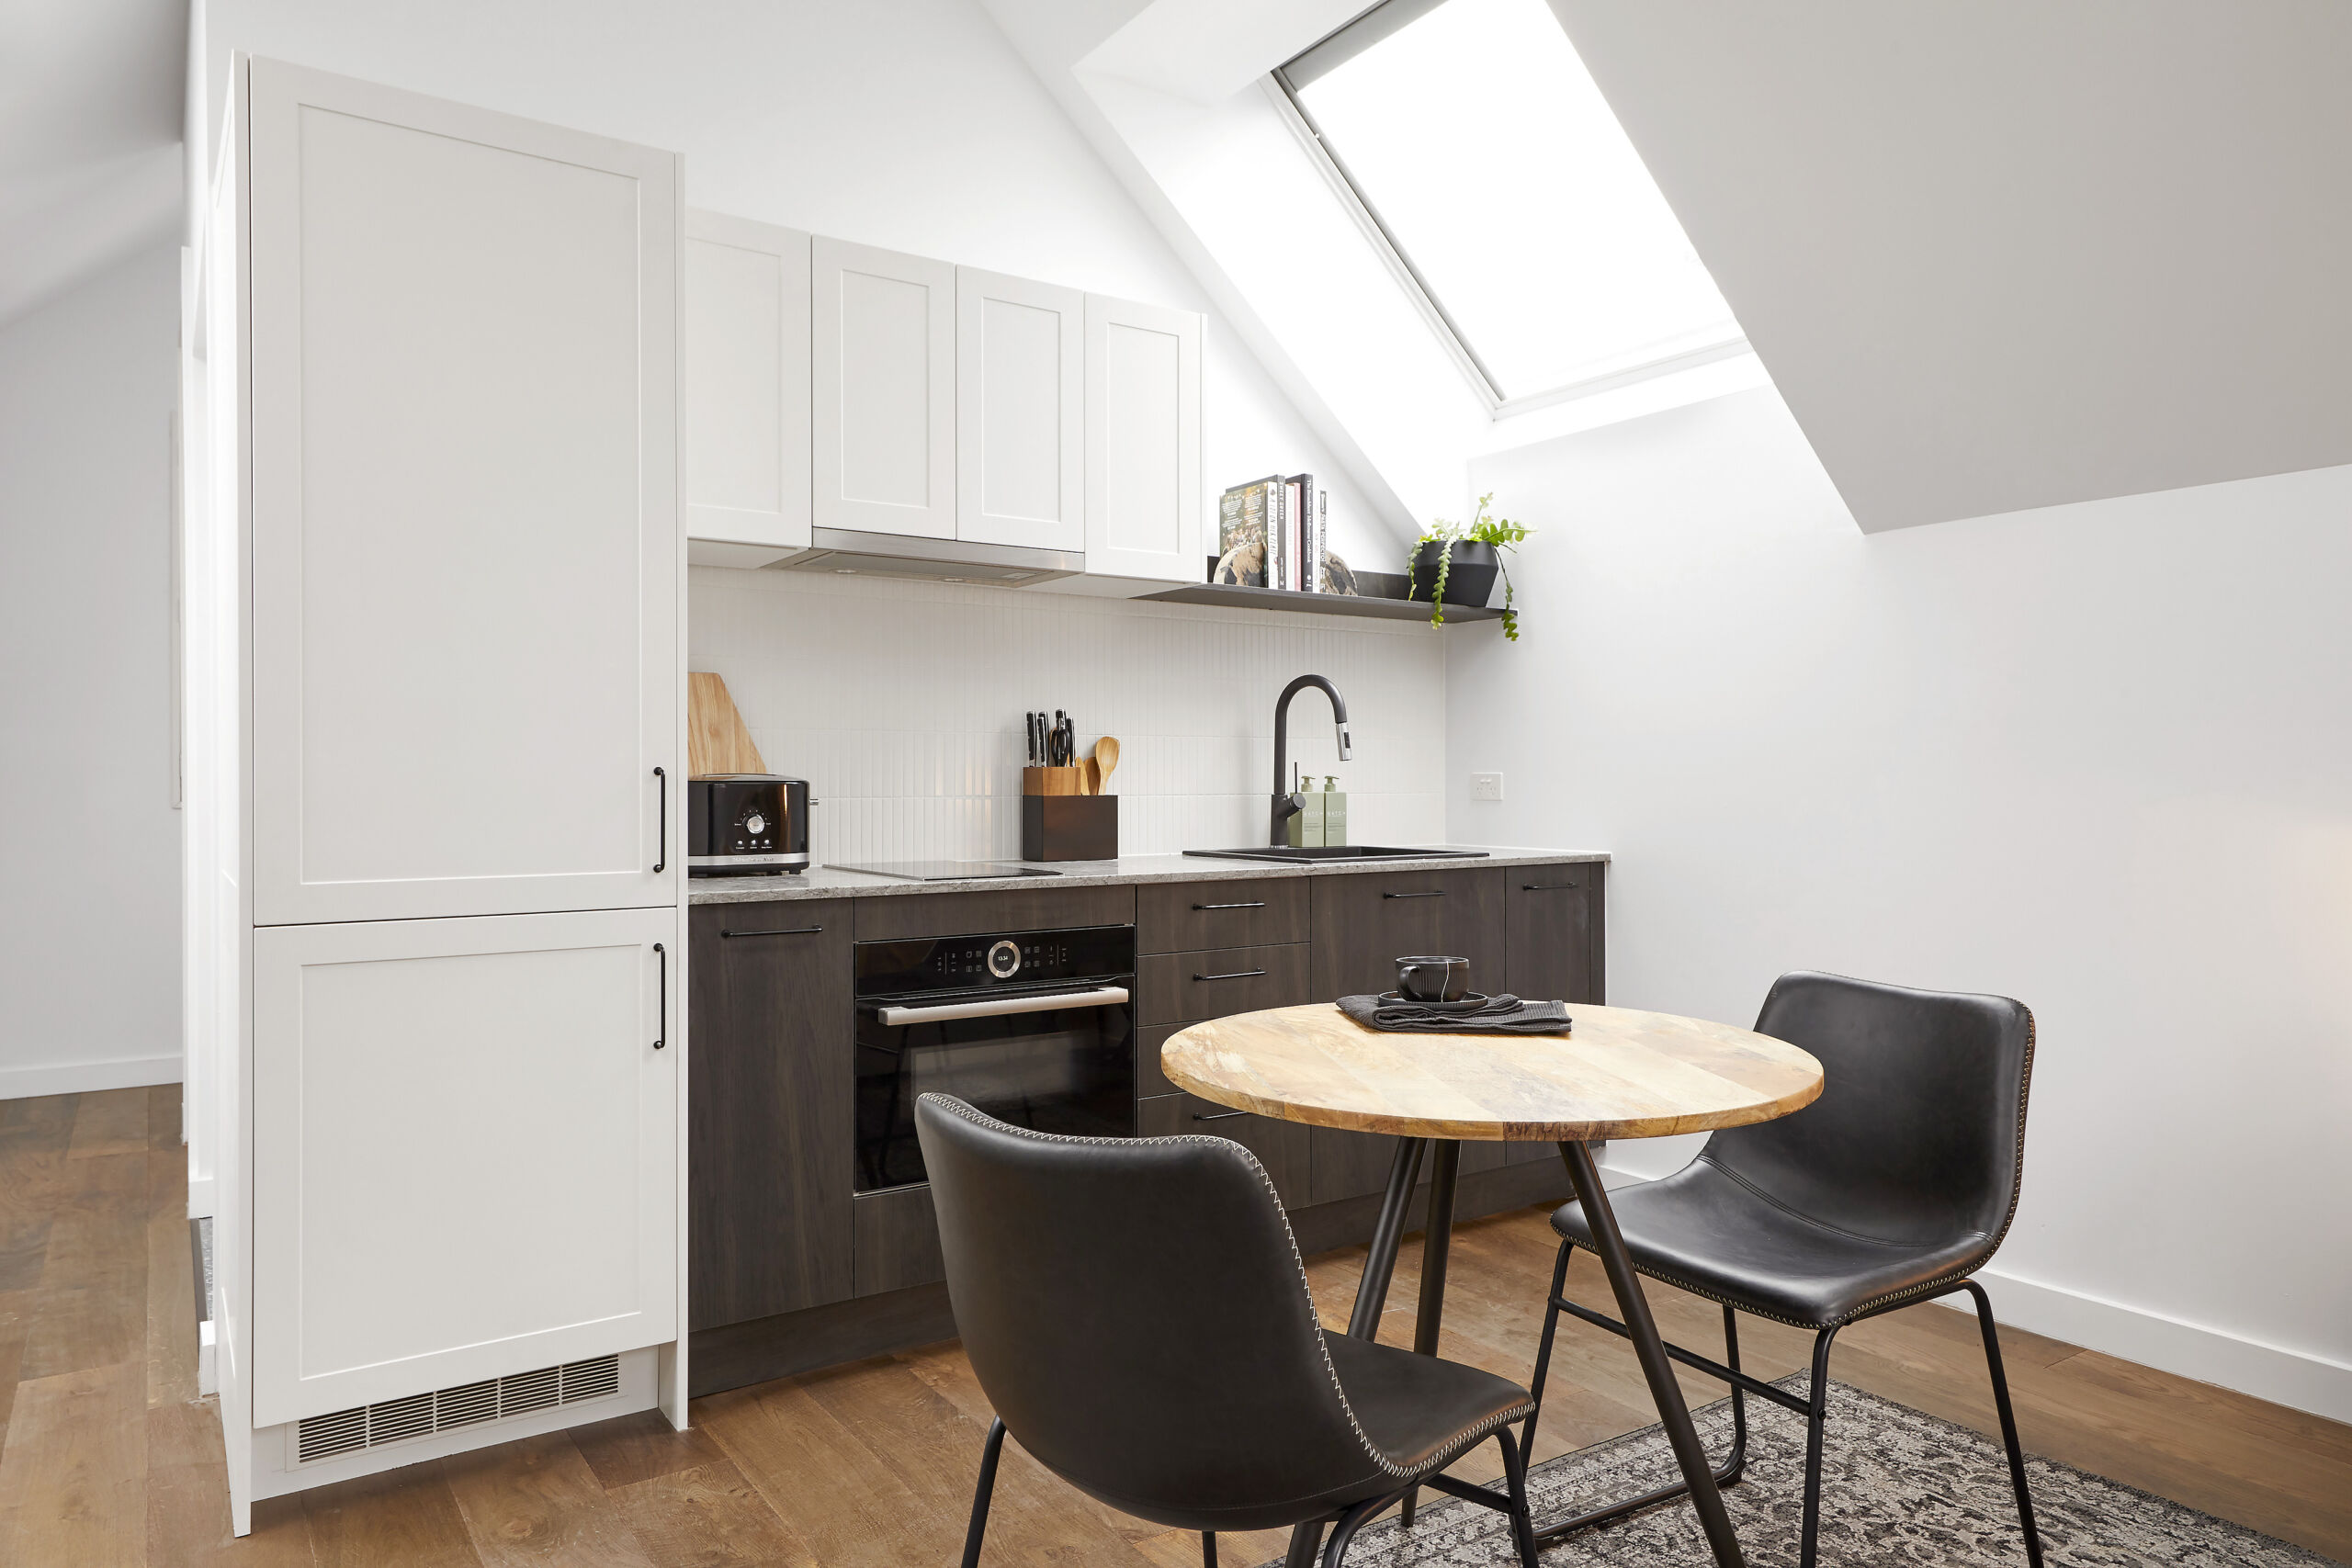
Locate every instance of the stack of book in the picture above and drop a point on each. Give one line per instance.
(1272, 533)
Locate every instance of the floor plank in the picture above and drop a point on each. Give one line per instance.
(171, 1339)
(707, 1515)
(402, 1519)
(630, 1448)
(73, 1470)
(536, 1503)
(91, 1304)
(110, 1122)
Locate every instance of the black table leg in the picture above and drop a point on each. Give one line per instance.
(1436, 1242)
(1372, 1292)
(1634, 1309)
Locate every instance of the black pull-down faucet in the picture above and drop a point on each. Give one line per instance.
(1286, 803)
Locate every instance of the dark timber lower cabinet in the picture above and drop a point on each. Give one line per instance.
(768, 1124)
(790, 1271)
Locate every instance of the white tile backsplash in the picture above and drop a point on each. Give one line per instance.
(901, 701)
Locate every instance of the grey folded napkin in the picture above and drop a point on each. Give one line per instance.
(1499, 1015)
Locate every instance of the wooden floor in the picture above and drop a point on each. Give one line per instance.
(111, 1459)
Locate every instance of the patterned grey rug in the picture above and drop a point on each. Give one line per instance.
(1898, 1487)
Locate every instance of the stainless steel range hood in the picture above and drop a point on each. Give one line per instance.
(939, 561)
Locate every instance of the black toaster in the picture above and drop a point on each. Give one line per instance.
(746, 825)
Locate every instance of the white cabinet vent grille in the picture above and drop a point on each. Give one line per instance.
(493, 1399)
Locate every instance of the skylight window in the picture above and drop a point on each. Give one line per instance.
(1485, 161)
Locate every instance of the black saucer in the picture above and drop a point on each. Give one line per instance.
(1470, 1003)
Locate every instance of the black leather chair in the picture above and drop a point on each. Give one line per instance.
(1136, 1312)
(1888, 1190)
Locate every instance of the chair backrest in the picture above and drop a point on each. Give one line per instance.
(1919, 1133)
(1136, 1312)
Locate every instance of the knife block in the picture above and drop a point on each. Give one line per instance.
(1059, 823)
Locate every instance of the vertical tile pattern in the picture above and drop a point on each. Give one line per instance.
(901, 701)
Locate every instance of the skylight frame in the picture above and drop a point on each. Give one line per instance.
(1344, 41)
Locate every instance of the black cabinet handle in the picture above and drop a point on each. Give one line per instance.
(1438, 893)
(1259, 905)
(781, 931)
(661, 1021)
(662, 845)
(1237, 975)
(1220, 1116)
(1546, 887)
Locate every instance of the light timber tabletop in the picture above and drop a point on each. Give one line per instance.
(1620, 1072)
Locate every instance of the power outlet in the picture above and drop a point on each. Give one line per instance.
(1485, 787)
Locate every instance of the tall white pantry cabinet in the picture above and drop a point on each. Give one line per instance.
(445, 802)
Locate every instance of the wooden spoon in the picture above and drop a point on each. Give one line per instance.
(1090, 777)
(1106, 757)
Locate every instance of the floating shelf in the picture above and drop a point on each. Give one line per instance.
(1383, 609)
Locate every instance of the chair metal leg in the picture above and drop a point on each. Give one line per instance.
(1336, 1550)
(1436, 1241)
(1649, 1351)
(981, 1493)
(1738, 1459)
(2008, 1421)
(1543, 1346)
(1817, 1418)
(1522, 1527)
(1208, 1548)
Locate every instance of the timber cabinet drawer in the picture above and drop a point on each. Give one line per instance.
(1364, 921)
(1242, 912)
(1186, 987)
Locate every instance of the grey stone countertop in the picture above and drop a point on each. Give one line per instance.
(824, 882)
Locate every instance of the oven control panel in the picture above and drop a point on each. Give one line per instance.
(997, 958)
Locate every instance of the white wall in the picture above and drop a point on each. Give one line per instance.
(901, 701)
(911, 125)
(2095, 757)
(89, 906)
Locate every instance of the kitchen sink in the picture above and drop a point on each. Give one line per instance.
(1316, 853)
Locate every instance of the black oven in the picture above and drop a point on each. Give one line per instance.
(1034, 1028)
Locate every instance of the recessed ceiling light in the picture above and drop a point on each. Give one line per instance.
(844, 571)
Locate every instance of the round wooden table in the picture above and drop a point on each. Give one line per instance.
(1618, 1074)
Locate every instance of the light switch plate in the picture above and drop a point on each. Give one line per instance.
(1485, 787)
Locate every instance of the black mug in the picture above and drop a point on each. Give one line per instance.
(1433, 980)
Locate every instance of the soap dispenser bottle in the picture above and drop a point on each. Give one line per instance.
(1334, 812)
(1311, 819)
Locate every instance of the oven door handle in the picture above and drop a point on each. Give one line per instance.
(1052, 1001)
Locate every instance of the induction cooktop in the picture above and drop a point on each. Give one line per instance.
(947, 870)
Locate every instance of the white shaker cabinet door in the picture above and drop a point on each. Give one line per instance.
(465, 1150)
(883, 337)
(1020, 411)
(462, 339)
(1142, 441)
(743, 418)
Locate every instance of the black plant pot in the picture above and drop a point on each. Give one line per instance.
(1469, 580)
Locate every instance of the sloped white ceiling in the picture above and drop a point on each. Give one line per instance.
(2004, 253)
(90, 168)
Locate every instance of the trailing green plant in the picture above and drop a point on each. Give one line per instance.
(1500, 532)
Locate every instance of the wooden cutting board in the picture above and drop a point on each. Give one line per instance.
(717, 741)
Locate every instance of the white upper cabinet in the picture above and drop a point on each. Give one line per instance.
(464, 1151)
(466, 663)
(743, 416)
(883, 337)
(1142, 441)
(1020, 411)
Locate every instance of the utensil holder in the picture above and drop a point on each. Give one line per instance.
(1068, 826)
